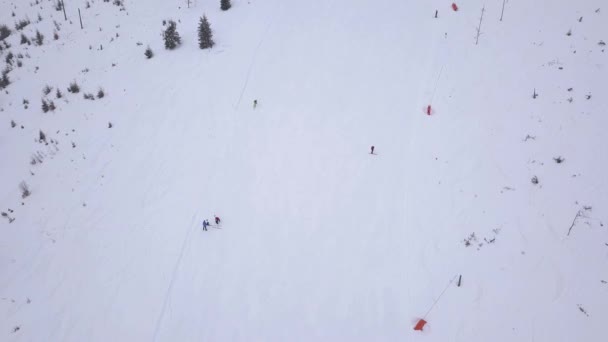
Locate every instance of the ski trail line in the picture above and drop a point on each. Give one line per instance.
(174, 273)
(255, 55)
(438, 298)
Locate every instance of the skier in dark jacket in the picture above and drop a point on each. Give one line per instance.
(217, 220)
(372, 152)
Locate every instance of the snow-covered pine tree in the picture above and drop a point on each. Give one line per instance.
(171, 36)
(225, 5)
(39, 39)
(205, 36)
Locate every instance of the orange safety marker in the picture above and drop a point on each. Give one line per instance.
(420, 324)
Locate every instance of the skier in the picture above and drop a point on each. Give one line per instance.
(217, 220)
(372, 152)
(205, 224)
(255, 103)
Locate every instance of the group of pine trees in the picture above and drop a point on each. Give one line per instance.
(205, 35)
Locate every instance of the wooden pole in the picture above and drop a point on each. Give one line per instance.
(63, 6)
(503, 9)
(79, 16)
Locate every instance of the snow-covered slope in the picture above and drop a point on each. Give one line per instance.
(319, 239)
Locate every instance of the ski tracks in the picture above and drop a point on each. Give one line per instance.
(252, 63)
(173, 276)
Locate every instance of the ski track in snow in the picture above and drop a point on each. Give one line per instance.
(187, 240)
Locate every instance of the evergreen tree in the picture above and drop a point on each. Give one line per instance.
(205, 36)
(172, 38)
(225, 5)
(39, 39)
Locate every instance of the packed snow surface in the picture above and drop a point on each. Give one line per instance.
(487, 218)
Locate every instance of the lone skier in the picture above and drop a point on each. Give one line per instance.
(255, 103)
(372, 152)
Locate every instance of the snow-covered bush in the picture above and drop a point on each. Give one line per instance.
(47, 90)
(74, 88)
(149, 54)
(21, 24)
(25, 39)
(4, 32)
(45, 106)
(25, 189)
(9, 58)
(4, 80)
(225, 5)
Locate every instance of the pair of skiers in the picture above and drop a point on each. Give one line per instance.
(207, 224)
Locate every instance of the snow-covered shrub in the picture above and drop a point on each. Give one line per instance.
(225, 5)
(45, 106)
(149, 54)
(101, 93)
(25, 189)
(4, 32)
(21, 24)
(47, 90)
(25, 39)
(74, 88)
(9, 58)
(4, 80)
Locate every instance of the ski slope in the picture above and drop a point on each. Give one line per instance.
(320, 240)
